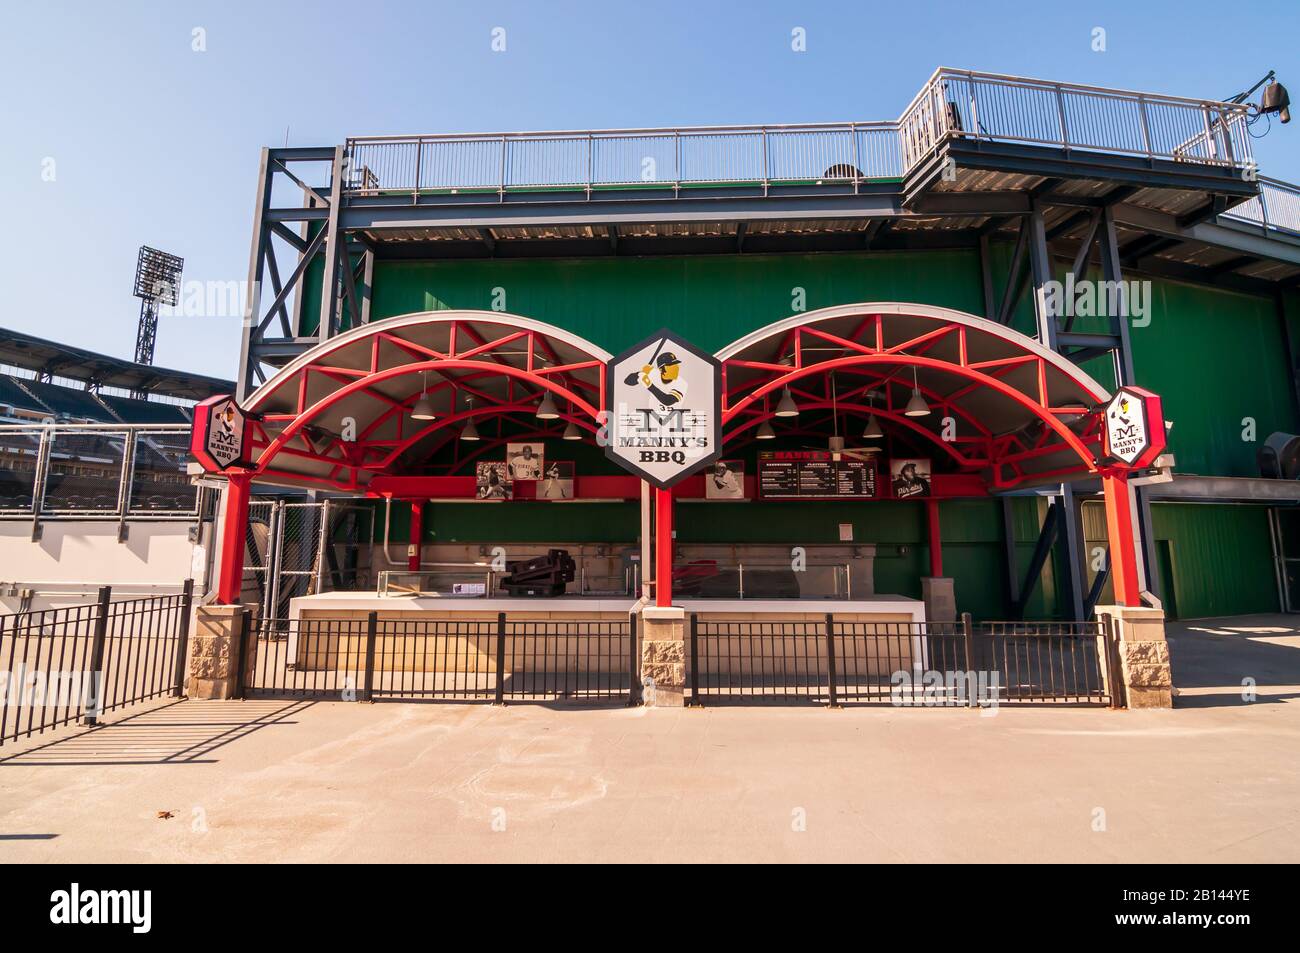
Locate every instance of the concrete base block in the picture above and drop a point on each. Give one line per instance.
(940, 599)
(663, 657)
(1143, 655)
(214, 652)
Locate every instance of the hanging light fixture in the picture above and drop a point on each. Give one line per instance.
(873, 431)
(916, 406)
(547, 410)
(469, 431)
(423, 409)
(786, 407)
(765, 431)
(572, 432)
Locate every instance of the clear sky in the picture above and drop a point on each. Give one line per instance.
(156, 143)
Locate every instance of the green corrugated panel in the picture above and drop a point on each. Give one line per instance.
(712, 299)
(504, 523)
(1222, 558)
(1215, 358)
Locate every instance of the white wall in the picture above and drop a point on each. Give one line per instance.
(85, 554)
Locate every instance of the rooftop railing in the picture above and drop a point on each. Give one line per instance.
(1276, 207)
(954, 103)
(996, 108)
(981, 107)
(625, 158)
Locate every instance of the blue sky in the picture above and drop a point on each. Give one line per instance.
(154, 143)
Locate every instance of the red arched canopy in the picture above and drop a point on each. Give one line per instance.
(1000, 403)
(341, 413)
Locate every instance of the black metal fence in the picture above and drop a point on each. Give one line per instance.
(835, 661)
(501, 659)
(73, 663)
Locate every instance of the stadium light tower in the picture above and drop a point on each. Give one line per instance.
(157, 282)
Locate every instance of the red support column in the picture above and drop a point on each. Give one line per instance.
(663, 547)
(936, 540)
(1123, 540)
(417, 536)
(234, 534)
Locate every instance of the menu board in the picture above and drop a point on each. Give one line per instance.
(813, 475)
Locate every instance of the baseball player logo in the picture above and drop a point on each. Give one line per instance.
(662, 377)
(227, 420)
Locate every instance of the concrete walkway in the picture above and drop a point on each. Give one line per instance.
(1217, 779)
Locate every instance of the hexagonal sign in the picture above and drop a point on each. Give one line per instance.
(1133, 432)
(217, 439)
(664, 402)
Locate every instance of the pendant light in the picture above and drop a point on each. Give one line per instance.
(572, 432)
(547, 410)
(786, 407)
(873, 431)
(765, 431)
(469, 431)
(916, 406)
(423, 409)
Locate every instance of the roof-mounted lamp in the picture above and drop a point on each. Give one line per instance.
(469, 431)
(547, 410)
(423, 409)
(916, 405)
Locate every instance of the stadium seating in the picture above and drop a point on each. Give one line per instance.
(66, 401)
(58, 402)
(145, 412)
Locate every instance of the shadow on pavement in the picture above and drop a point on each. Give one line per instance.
(1224, 653)
(183, 732)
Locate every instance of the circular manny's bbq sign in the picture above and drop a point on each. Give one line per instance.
(1134, 430)
(218, 438)
(664, 403)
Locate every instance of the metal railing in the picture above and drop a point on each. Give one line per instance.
(953, 103)
(1276, 207)
(996, 108)
(96, 471)
(74, 663)
(501, 659)
(832, 661)
(625, 158)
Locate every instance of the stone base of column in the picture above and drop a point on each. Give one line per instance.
(1143, 655)
(940, 599)
(663, 657)
(214, 652)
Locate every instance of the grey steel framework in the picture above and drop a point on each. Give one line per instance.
(1121, 181)
(972, 153)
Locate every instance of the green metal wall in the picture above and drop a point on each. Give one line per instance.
(1221, 556)
(711, 299)
(1218, 359)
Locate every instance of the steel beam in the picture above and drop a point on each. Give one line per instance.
(329, 291)
(1040, 267)
(253, 295)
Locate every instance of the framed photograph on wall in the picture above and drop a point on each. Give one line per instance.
(910, 478)
(557, 481)
(493, 481)
(725, 480)
(525, 461)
